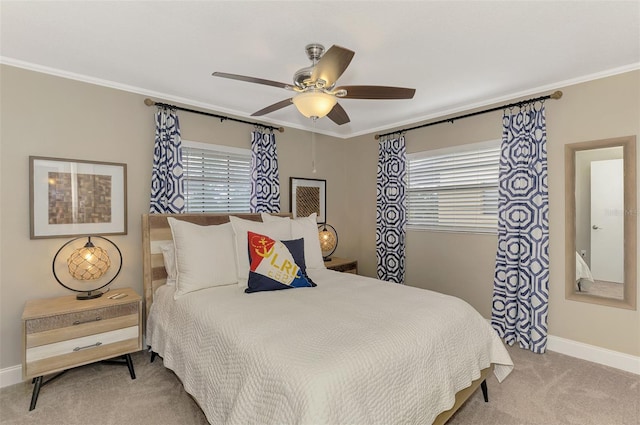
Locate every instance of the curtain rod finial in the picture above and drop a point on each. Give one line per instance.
(281, 129)
(149, 102)
(556, 95)
(377, 136)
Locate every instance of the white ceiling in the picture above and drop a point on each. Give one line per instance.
(457, 54)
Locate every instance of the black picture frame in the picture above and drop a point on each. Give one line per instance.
(307, 196)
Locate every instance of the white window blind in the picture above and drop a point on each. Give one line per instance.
(216, 178)
(454, 189)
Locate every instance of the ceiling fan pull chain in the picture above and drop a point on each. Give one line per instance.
(313, 145)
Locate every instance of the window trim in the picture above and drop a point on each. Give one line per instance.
(212, 147)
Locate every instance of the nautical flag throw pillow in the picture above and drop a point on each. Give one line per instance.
(276, 264)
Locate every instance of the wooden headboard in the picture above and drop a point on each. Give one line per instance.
(156, 232)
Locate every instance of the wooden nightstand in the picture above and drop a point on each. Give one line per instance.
(342, 265)
(63, 333)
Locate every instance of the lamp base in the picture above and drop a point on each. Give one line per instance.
(89, 295)
(326, 258)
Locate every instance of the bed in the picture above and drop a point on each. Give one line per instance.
(350, 350)
(584, 278)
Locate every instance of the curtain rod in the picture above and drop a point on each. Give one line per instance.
(555, 95)
(150, 102)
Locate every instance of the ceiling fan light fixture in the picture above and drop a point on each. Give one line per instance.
(314, 103)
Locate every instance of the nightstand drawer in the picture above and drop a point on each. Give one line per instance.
(80, 330)
(80, 317)
(79, 358)
(77, 345)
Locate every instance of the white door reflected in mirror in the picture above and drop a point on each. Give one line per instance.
(607, 224)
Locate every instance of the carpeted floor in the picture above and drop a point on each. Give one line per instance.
(544, 389)
(601, 288)
(554, 389)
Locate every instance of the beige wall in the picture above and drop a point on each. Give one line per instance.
(463, 265)
(45, 115)
(50, 116)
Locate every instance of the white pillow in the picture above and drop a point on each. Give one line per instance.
(169, 257)
(280, 230)
(205, 256)
(306, 228)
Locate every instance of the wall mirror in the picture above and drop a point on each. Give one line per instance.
(600, 223)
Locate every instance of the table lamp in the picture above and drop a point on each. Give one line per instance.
(328, 240)
(93, 266)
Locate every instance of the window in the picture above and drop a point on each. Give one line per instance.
(217, 178)
(454, 189)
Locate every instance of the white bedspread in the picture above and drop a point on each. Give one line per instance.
(353, 350)
(582, 269)
(584, 278)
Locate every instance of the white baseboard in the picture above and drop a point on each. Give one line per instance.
(594, 354)
(10, 376)
(13, 375)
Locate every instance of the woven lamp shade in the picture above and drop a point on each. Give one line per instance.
(327, 240)
(87, 267)
(88, 263)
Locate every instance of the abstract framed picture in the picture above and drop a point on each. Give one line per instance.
(308, 196)
(69, 197)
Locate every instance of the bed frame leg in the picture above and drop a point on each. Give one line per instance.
(485, 391)
(153, 356)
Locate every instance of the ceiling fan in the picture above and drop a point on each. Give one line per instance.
(315, 86)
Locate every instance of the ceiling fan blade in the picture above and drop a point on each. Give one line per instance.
(332, 64)
(252, 80)
(338, 115)
(274, 107)
(377, 92)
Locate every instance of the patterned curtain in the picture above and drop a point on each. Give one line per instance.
(521, 281)
(265, 180)
(391, 211)
(167, 191)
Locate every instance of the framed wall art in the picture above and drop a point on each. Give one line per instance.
(70, 197)
(308, 196)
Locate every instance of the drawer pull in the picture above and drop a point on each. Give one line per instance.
(97, 344)
(78, 322)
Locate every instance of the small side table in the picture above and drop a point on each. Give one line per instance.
(342, 265)
(63, 333)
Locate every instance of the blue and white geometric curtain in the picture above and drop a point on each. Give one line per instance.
(265, 180)
(167, 191)
(521, 281)
(391, 211)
